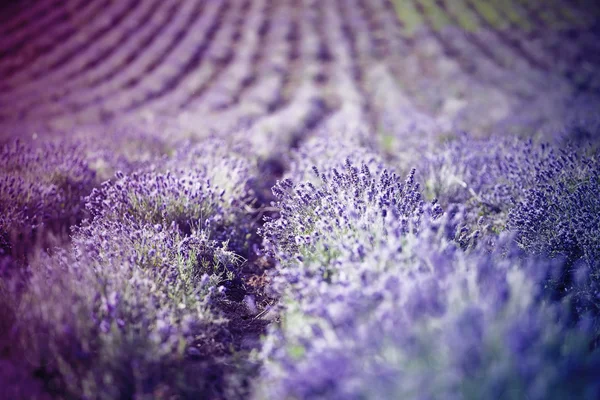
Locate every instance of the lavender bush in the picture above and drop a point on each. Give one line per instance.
(318, 221)
(138, 289)
(121, 320)
(126, 147)
(137, 296)
(45, 181)
(559, 217)
(427, 321)
(213, 194)
(492, 176)
(41, 191)
(487, 175)
(376, 307)
(544, 194)
(559, 213)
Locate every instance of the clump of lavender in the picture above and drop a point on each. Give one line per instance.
(125, 150)
(489, 176)
(125, 311)
(484, 174)
(376, 307)
(42, 189)
(559, 216)
(154, 198)
(119, 316)
(129, 145)
(545, 195)
(461, 170)
(560, 213)
(199, 187)
(345, 211)
(417, 317)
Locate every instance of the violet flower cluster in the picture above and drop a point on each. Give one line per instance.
(129, 314)
(546, 195)
(492, 176)
(42, 190)
(559, 217)
(44, 182)
(485, 174)
(560, 213)
(437, 323)
(318, 220)
(204, 186)
(137, 295)
(410, 313)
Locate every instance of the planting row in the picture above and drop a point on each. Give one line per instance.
(490, 288)
(296, 66)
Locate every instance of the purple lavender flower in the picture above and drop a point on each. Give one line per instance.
(125, 306)
(41, 192)
(430, 321)
(342, 211)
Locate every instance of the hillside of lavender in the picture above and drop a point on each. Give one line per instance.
(299, 199)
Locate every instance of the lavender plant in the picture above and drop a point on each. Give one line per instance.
(581, 124)
(318, 221)
(491, 176)
(559, 217)
(544, 194)
(328, 150)
(484, 174)
(121, 321)
(559, 214)
(41, 191)
(125, 148)
(376, 307)
(136, 297)
(199, 187)
(44, 182)
(427, 321)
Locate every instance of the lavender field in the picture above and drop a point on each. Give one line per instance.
(300, 199)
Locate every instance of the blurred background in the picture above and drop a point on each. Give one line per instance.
(289, 67)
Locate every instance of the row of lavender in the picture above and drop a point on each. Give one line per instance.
(118, 266)
(291, 66)
(488, 290)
